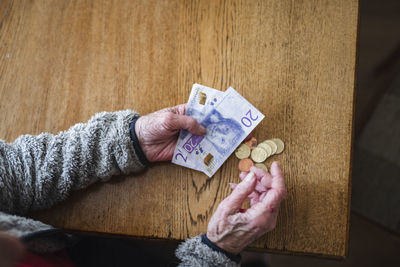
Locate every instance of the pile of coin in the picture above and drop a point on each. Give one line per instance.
(252, 154)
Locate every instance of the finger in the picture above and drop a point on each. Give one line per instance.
(253, 194)
(278, 182)
(254, 198)
(264, 177)
(259, 210)
(243, 175)
(232, 185)
(260, 188)
(178, 122)
(269, 201)
(262, 220)
(258, 172)
(262, 196)
(235, 200)
(277, 192)
(179, 109)
(266, 182)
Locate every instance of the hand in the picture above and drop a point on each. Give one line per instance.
(232, 228)
(158, 132)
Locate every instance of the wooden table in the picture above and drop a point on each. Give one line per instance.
(63, 61)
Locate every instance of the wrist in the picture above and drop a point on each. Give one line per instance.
(133, 126)
(214, 246)
(222, 245)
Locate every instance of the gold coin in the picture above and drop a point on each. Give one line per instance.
(243, 151)
(267, 148)
(272, 145)
(258, 154)
(279, 143)
(261, 166)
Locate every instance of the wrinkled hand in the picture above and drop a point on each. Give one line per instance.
(158, 132)
(232, 228)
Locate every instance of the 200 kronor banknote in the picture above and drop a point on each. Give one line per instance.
(228, 118)
(196, 109)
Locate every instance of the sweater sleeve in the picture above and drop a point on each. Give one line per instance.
(193, 252)
(38, 171)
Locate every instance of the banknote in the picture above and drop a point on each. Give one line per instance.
(228, 121)
(201, 100)
(195, 107)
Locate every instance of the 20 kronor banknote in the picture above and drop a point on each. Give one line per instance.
(228, 118)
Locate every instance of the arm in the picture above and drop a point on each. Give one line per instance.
(231, 229)
(195, 252)
(39, 171)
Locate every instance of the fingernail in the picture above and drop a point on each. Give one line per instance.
(249, 177)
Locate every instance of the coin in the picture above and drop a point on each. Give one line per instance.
(245, 165)
(266, 147)
(243, 151)
(258, 154)
(261, 166)
(279, 143)
(272, 145)
(252, 143)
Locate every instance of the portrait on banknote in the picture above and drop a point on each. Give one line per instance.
(222, 132)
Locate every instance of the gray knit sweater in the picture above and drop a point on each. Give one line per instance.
(37, 172)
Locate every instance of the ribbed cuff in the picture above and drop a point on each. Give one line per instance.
(236, 258)
(135, 142)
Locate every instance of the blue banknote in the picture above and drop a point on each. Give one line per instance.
(196, 109)
(228, 118)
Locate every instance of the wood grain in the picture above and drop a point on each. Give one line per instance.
(63, 61)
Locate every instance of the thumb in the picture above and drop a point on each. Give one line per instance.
(179, 122)
(241, 192)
